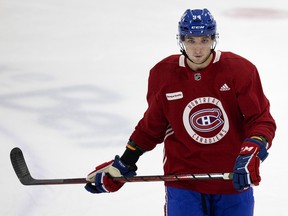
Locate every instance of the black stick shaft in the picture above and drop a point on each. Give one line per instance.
(23, 174)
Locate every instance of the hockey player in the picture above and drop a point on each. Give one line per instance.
(209, 110)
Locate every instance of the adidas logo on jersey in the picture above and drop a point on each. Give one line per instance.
(225, 87)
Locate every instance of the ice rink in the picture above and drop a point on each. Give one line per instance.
(73, 81)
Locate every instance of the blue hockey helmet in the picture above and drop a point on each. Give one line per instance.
(197, 22)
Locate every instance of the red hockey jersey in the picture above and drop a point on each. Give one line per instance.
(203, 117)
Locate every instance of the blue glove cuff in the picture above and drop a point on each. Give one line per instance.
(123, 168)
(263, 154)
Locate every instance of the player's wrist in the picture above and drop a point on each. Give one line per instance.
(262, 139)
(132, 153)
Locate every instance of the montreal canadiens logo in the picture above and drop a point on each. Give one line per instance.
(205, 125)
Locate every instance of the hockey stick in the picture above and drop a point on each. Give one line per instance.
(23, 174)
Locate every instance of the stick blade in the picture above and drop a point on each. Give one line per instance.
(22, 171)
(20, 166)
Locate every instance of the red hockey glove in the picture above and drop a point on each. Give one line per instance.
(246, 169)
(100, 178)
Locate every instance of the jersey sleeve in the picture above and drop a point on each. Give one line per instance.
(151, 129)
(254, 106)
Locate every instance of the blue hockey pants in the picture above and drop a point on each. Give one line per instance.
(189, 203)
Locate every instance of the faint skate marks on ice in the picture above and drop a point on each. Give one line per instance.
(21, 75)
(256, 13)
(32, 77)
(11, 77)
(81, 112)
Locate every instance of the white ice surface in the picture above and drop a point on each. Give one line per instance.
(73, 80)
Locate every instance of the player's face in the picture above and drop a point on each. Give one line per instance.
(198, 48)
